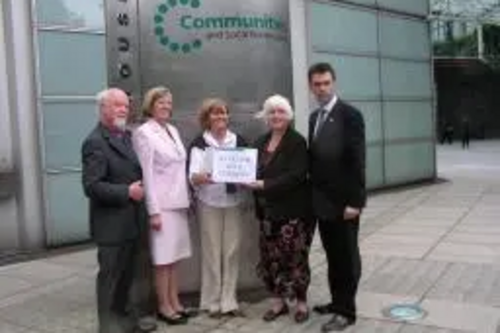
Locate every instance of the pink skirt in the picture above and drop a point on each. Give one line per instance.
(173, 242)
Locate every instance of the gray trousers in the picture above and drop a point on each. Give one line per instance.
(124, 286)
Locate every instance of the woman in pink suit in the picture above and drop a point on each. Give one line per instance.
(163, 160)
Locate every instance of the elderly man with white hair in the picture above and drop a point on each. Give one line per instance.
(112, 180)
(282, 207)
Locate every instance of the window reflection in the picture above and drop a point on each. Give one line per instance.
(71, 13)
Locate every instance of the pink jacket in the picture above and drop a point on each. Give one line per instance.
(163, 161)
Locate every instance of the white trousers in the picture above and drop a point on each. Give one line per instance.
(220, 233)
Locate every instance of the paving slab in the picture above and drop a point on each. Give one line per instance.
(460, 316)
(469, 283)
(434, 245)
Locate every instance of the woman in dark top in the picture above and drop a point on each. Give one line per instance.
(282, 207)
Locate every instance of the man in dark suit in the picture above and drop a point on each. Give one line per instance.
(118, 220)
(337, 170)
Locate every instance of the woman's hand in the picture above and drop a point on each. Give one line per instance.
(201, 179)
(155, 222)
(256, 185)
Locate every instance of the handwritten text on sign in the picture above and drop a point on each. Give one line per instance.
(234, 165)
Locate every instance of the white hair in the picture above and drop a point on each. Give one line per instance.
(275, 102)
(104, 95)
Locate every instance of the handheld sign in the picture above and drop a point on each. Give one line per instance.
(234, 165)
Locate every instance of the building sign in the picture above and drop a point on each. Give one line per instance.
(122, 47)
(235, 50)
(238, 50)
(182, 18)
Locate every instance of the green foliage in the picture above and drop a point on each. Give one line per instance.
(467, 46)
(491, 36)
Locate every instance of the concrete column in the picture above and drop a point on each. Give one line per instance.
(21, 73)
(480, 41)
(8, 206)
(300, 49)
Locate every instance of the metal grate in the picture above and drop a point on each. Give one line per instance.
(468, 10)
(404, 312)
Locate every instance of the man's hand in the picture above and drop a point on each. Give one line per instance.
(136, 191)
(351, 213)
(201, 179)
(155, 222)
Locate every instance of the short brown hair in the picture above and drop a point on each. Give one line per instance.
(321, 68)
(207, 107)
(151, 97)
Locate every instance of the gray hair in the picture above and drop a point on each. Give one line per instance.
(275, 102)
(104, 95)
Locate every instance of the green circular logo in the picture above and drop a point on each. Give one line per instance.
(160, 19)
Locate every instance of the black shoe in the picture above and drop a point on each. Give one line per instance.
(323, 309)
(337, 323)
(145, 325)
(234, 314)
(188, 313)
(301, 316)
(175, 319)
(272, 315)
(215, 314)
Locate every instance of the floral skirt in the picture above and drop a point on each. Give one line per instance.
(284, 257)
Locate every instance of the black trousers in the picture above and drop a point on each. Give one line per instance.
(123, 286)
(465, 141)
(340, 241)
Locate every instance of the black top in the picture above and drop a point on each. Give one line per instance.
(284, 172)
(337, 161)
(110, 165)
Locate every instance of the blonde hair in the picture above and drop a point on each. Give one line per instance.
(209, 105)
(275, 102)
(151, 97)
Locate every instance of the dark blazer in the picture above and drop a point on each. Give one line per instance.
(286, 190)
(337, 161)
(109, 166)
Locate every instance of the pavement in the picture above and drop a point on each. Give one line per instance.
(434, 245)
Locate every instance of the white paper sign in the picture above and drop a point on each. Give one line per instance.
(234, 165)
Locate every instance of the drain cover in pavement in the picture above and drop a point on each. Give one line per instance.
(405, 312)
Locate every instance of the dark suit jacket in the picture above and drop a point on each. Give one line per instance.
(286, 190)
(109, 167)
(337, 161)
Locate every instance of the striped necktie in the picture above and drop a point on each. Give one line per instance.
(322, 115)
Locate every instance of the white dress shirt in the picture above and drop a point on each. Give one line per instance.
(322, 115)
(328, 107)
(214, 195)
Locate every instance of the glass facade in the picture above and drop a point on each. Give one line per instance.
(72, 68)
(381, 52)
(382, 57)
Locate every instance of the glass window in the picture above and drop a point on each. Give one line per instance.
(409, 161)
(365, 2)
(66, 125)
(338, 28)
(357, 77)
(72, 64)
(406, 79)
(405, 120)
(71, 13)
(404, 38)
(420, 7)
(373, 120)
(374, 167)
(67, 209)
